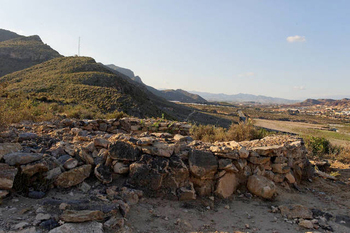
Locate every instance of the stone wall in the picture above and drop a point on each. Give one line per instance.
(62, 154)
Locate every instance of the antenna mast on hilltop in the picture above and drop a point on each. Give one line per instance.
(79, 47)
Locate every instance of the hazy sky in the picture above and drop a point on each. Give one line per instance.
(291, 49)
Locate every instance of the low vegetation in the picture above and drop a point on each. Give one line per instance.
(236, 132)
(322, 148)
(15, 108)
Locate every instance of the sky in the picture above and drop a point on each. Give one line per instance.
(290, 49)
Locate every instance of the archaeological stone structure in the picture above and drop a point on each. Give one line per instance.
(155, 156)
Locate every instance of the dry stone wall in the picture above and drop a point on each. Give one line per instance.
(157, 157)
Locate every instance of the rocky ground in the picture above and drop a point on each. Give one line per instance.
(107, 176)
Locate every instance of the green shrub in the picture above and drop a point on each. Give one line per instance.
(317, 145)
(236, 132)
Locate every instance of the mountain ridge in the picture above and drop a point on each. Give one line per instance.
(241, 98)
(169, 94)
(20, 52)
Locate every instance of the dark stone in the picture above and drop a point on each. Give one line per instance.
(319, 213)
(103, 173)
(124, 151)
(343, 219)
(62, 159)
(203, 164)
(144, 177)
(36, 194)
(19, 158)
(49, 224)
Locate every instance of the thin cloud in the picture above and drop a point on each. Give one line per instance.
(299, 88)
(247, 74)
(292, 39)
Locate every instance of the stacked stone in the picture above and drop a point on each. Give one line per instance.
(218, 168)
(65, 153)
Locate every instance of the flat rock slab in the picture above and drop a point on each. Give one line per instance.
(295, 211)
(19, 158)
(89, 227)
(8, 148)
(7, 176)
(82, 216)
(73, 177)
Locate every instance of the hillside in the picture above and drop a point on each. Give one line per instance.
(182, 96)
(241, 98)
(82, 81)
(19, 52)
(170, 94)
(326, 102)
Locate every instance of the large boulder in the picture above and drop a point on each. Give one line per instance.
(203, 165)
(124, 151)
(8, 148)
(73, 177)
(7, 176)
(261, 186)
(227, 185)
(19, 158)
(148, 175)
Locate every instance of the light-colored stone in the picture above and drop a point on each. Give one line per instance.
(306, 224)
(120, 168)
(88, 227)
(8, 148)
(101, 142)
(243, 153)
(114, 223)
(227, 185)
(82, 216)
(290, 178)
(280, 168)
(20, 226)
(187, 193)
(53, 173)
(258, 160)
(4, 193)
(33, 168)
(70, 163)
(293, 211)
(261, 186)
(7, 176)
(163, 149)
(73, 177)
(42, 217)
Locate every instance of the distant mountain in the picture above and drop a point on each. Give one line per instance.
(345, 102)
(182, 96)
(240, 98)
(170, 94)
(20, 52)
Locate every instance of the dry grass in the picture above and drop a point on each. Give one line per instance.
(236, 132)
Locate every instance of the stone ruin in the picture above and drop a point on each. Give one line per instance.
(155, 156)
